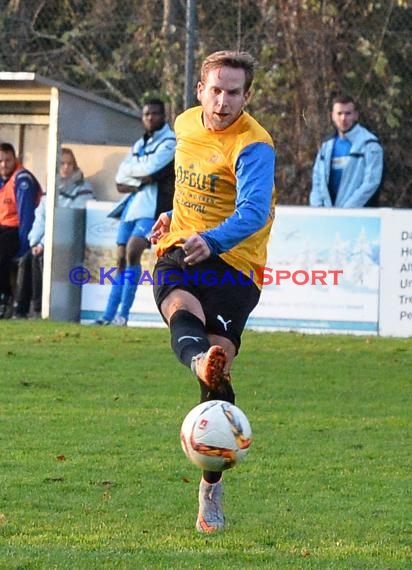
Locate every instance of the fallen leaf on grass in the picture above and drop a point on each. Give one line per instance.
(106, 483)
(54, 479)
(305, 552)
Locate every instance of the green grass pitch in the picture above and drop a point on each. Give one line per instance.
(92, 475)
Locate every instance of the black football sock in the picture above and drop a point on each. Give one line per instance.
(188, 336)
(212, 476)
(223, 392)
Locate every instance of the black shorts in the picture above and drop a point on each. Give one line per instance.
(226, 295)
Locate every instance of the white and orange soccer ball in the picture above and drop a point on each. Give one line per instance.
(216, 435)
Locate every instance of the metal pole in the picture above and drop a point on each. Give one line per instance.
(239, 25)
(189, 53)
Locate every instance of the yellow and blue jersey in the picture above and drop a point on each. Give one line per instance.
(224, 189)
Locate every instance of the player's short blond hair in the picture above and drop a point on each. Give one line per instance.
(236, 59)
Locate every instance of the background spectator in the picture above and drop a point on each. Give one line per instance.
(147, 176)
(349, 165)
(73, 192)
(20, 193)
(73, 189)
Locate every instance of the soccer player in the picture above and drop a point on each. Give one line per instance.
(212, 244)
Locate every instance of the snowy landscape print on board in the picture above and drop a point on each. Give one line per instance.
(322, 271)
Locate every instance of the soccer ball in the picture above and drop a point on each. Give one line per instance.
(216, 435)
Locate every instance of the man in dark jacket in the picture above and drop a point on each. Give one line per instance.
(20, 194)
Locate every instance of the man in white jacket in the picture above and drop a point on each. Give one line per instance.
(349, 165)
(146, 176)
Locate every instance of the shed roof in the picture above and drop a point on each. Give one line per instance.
(22, 81)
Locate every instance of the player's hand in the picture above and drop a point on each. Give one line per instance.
(196, 249)
(160, 228)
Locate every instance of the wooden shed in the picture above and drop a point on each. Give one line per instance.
(39, 116)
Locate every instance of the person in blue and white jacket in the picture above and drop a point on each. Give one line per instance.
(348, 169)
(146, 176)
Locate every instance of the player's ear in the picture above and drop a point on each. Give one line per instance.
(247, 96)
(200, 89)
